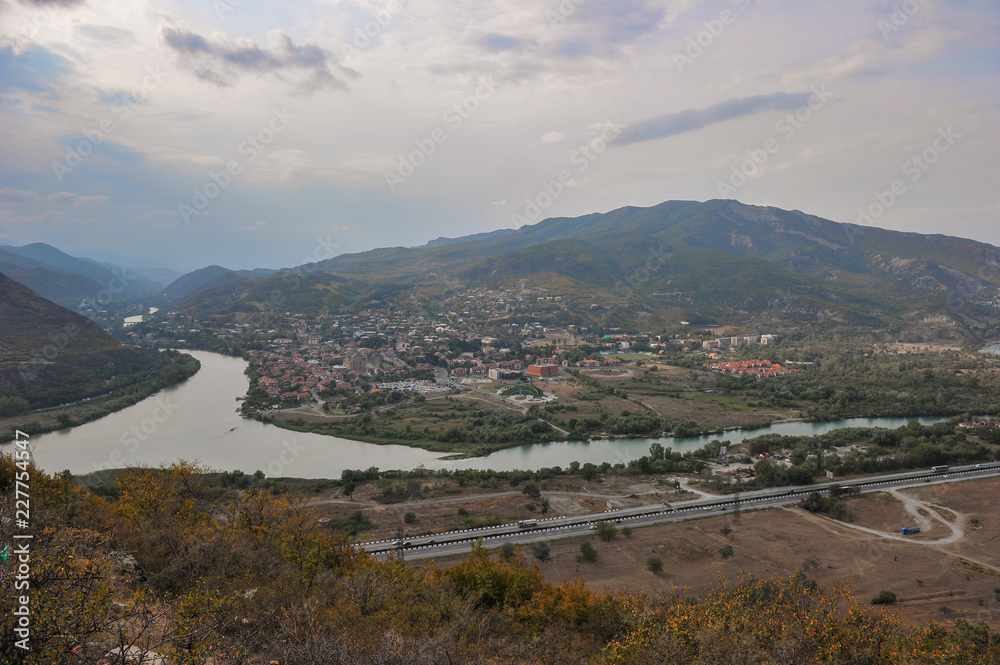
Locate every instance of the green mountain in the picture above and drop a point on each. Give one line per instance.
(719, 261)
(50, 355)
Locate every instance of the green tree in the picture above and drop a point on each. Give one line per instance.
(588, 553)
(726, 552)
(606, 530)
(654, 564)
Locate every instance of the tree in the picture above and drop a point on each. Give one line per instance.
(349, 488)
(532, 490)
(606, 530)
(410, 517)
(541, 551)
(726, 552)
(627, 531)
(588, 553)
(507, 552)
(725, 531)
(654, 564)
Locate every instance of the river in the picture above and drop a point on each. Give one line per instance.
(198, 421)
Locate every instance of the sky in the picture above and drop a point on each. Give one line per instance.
(262, 134)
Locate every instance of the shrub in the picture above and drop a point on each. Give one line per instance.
(410, 517)
(588, 553)
(884, 598)
(654, 564)
(541, 551)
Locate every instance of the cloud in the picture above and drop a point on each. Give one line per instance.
(106, 34)
(220, 61)
(68, 198)
(693, 119)
(492, 41)
(17, 195)
(552, 137)
(53, 3)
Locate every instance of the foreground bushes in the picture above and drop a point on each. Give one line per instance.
(177, 566)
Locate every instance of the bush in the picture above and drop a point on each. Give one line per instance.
(726, 552)
(588, 553)
(541, 551)
(884, 598)
(410, 517)
(532, 490)
(654, 564)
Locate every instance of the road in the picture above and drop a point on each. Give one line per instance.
(457, 542)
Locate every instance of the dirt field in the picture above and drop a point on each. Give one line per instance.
(934, 582)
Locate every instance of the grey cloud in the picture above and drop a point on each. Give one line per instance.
(53, 3)
(492, 41)
(692, 119)
(221, 61)
(623, 20)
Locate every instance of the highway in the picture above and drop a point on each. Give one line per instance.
(457, 542)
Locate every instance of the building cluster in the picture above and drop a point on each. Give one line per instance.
(738, 340)
(758, 368)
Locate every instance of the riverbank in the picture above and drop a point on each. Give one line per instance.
(84, 411)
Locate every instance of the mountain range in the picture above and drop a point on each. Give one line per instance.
(719, 261)
(68, 280)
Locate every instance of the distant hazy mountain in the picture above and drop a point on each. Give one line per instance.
(50, 355)
(64, 287)
(197, 279)
(717, 261)
(67, 279)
